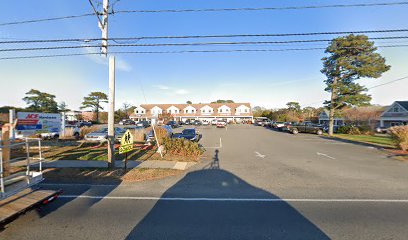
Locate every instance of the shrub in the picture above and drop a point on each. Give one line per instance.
(85, 130)
(182, 147)
(365, 129)
(344, 129)
(161, 133)
(354, 131)
(138, 135)
(399, 135)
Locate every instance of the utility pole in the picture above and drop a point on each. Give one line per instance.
(103, 25)
(111, 113)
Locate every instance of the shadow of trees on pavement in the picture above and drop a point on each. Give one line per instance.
(216, 204)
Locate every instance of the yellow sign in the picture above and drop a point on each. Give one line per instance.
(126, 142)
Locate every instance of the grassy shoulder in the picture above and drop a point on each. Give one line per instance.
(98, 152)
(78, 175)
(377, 140)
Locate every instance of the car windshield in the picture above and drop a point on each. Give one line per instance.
(188, 131)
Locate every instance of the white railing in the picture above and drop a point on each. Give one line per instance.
(16, 182)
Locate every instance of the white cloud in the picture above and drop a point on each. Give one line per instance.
(121, 64)
(181, 92)
(162, 87)
(171, 91)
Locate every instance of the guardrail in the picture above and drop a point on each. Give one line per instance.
(16, 182)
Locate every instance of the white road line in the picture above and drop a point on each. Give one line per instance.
(259, 155)
(217, 147)
(237, 199)
(322, 154)
(83, 184)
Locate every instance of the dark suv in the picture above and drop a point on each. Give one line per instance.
(305, 128)
(173, 124)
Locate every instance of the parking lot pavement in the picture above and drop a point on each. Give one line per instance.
(259, 184)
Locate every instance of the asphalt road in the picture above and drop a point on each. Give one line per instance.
(254, 183)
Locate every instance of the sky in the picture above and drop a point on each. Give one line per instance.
(267, 79)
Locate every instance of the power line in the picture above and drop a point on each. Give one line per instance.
(185, 51)
(45, 19)
(213, 36)
(209, 10)
(396, 80)
(264, 8)
(379, 85)
(190, 44)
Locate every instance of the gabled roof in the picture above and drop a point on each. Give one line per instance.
(223, 105)
(172, 106)
(403, 104)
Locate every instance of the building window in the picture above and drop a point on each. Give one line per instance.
(137, 111)
(395, 109)
(246, 110)
(220, 110)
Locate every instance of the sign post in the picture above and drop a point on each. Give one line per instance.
(126, 145)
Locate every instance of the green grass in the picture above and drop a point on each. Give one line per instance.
(383, 140)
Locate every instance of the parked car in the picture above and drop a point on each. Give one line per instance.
(180, 123)
(101, 134)
(381, 129)
(119, 135)
(144, 124)
(189, 133)
(214, 122)
(82, 123)
(305, 128)
(221, 124)
(127, 122)
(205, 123)
(197, 123)
(173, 124)
(278, 124)
(188, 122)
(151, 138)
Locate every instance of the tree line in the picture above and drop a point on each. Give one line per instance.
(38, 101)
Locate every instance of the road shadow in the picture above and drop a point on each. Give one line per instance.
(216, 204)
(67, 186)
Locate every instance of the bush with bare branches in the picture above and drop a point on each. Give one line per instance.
(400, 136)
(85, 130)
(161, 133)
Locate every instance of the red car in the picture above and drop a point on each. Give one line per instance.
(221, 124)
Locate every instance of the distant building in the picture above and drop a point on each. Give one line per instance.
(72, 115)
(206, 111)
(324, 119)
(396, 114)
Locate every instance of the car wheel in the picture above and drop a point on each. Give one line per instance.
(319, 132)
(76, 135)
(295, 131)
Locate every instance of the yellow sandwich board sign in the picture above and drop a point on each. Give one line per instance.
(126, 142)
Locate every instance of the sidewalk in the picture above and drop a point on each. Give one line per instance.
(119, 164)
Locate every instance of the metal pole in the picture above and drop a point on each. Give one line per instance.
(63, 124)
(28, 159)
(111, 113)
(39, 154)
(12, 117)
(126, 159)
(1, 172)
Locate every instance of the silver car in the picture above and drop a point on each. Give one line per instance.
(101, 134)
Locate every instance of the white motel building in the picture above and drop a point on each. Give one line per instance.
(204, 111)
